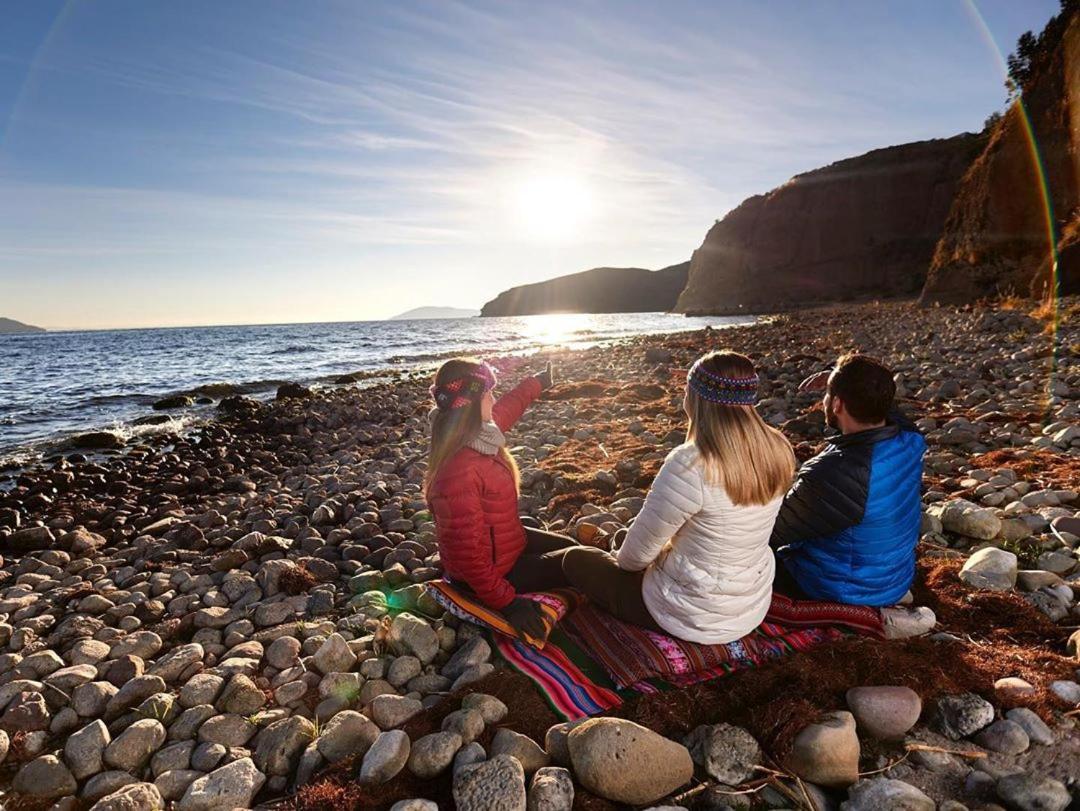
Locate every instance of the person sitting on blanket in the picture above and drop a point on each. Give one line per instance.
(849, 525)
(471, 486)
(696, 563)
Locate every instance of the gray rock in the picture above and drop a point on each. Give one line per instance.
(963, 715)
(334, 655)
(283, 652)
(84, 750)
(491, 709)
(990, 568)
(241, 696)
(133, 797)
(494, 785)
(469, 754)
(173, 783)
(552, 789)
(882, 794)
(466, 723)
(386, 757)
(1004, 736)
(1036, 729)
(132, 748)
(827, 753)
(474, 652)
(967, 519)
(432, 754)
(228, 730)
(1025, 792)
(281, 743)
(389, 711)
(347, 733)
(412, 636)
(414, 805)
(176, 662)
(556, 741)
(202, 688)
(625, 762)
(172, 757)
(528, 752)
(885, 713)
(727, 753)
(232, 786)
(46, 777)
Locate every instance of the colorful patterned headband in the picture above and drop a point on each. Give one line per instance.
(734, 391)
(462, 391)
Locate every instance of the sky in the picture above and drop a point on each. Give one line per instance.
(262, 161)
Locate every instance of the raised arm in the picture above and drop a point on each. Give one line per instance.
(464, 539)
(509, 408)
(675, 495)
(829, 495)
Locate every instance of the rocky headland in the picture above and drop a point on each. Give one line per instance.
(600, 290)
(9, 326)
(236, 617)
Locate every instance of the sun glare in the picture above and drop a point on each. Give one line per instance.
(552, 206)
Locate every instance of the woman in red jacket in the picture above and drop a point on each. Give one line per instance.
(472, 488)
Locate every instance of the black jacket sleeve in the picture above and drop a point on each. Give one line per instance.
(829, 496)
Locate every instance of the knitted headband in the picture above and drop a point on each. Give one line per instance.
(734, 391)
(461, 391)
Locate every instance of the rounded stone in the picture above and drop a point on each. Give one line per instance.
(727, 753)
(885, 713)
(432, 754)
(626, 762)
(498, 783)
(386, 757)
(827, 753)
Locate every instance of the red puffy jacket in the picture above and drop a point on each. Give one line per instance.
(475, 505)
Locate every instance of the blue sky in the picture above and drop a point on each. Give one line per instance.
(169, 163)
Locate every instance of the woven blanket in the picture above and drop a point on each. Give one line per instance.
(554, 605)
(861, 619)
(633, 655)
(574, 685)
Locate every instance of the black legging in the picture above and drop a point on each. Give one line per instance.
(540, 565)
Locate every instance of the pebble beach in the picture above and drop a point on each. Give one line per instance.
(235, 617)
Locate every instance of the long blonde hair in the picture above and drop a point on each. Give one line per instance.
(453, 428)
(753, 461)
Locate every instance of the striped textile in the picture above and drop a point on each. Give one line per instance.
(571, 692)
(554, 605)
(862, 619)
(633, 655)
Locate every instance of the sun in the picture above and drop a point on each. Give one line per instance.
(552, 206)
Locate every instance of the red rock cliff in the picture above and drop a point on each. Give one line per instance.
(862, 227)
(996, 239)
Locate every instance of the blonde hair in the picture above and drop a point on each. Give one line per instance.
(453, 428)
(753, 461)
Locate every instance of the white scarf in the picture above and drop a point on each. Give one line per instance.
(489, 440)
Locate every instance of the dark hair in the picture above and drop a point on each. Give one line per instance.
(865, 385)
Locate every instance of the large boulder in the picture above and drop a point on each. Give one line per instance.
(412, 636)
(45, 777)
(967, 519)
(347, 733)
(625, 762)
(281, 743)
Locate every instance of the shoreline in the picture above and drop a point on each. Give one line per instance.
(198, 402)
(239, 564)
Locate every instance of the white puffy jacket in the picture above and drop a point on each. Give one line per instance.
(709, 568)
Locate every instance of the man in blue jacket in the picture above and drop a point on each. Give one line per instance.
(848, 527)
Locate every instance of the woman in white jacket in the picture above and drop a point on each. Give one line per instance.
(696, 563)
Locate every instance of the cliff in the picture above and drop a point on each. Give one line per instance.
(600, 290)
(996, 238)
(9, 326)
(861, 227)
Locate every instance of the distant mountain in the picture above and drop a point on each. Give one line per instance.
(9, 326)
(426, 313)
(600, 290)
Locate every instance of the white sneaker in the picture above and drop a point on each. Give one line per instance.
(902, 623)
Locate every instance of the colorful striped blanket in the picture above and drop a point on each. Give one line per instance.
(582, 671)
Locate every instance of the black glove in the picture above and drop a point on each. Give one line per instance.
(524, 615)
(545, 377)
